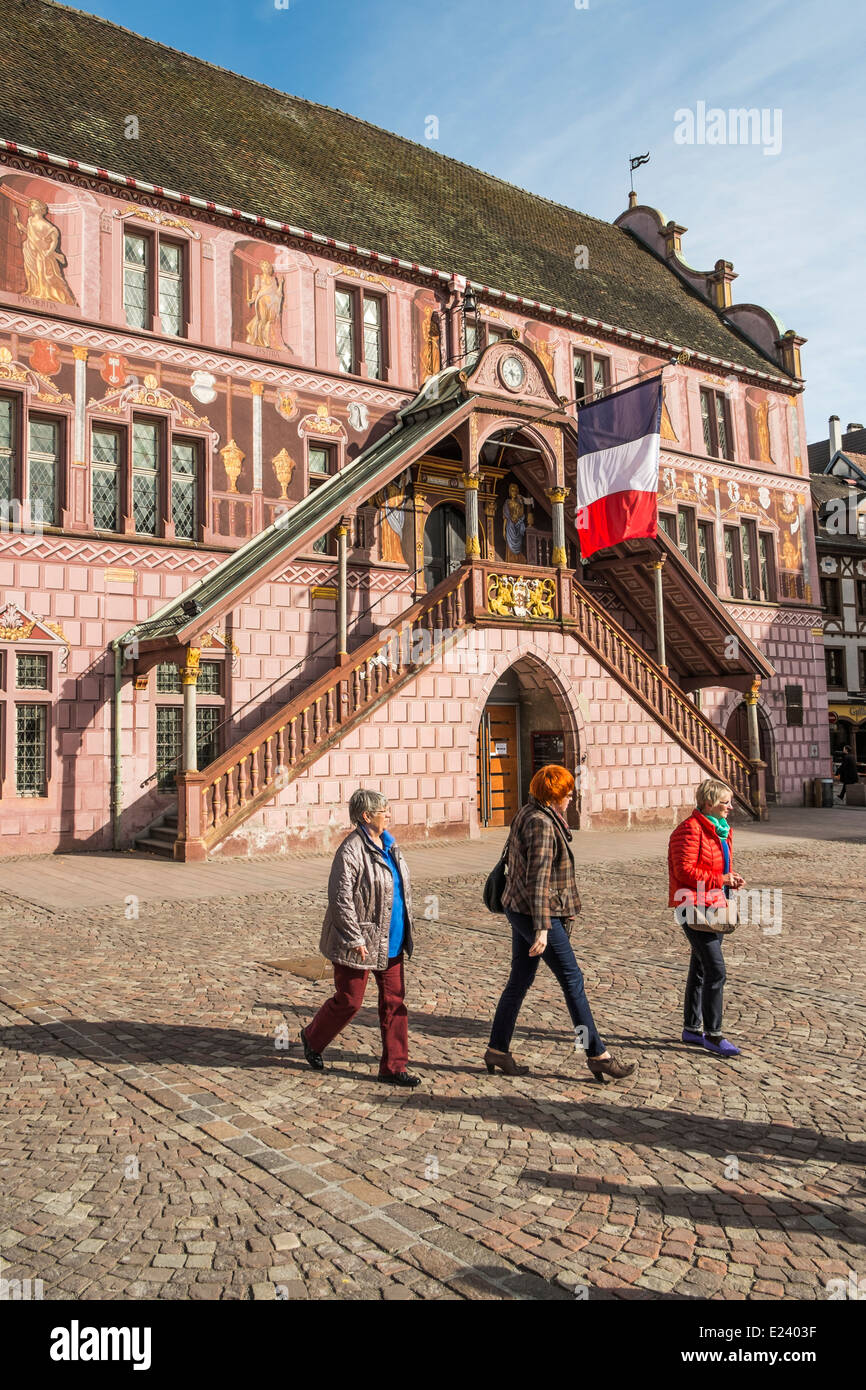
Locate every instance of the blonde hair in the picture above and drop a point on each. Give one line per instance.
(711, 791)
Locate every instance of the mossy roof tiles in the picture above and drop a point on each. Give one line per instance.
(69, 80)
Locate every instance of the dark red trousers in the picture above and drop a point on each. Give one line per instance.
(340, 1009)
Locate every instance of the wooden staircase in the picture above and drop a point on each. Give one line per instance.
(216, 800)
(661, 697)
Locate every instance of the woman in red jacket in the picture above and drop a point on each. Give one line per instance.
(700, 858)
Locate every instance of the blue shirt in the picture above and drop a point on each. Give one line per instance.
(726, 856)
(397, 929)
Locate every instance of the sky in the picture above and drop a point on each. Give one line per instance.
(556, 95)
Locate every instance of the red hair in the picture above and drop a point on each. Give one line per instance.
(551, 783)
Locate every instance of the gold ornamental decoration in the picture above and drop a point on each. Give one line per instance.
(233, 457)
(515, 596)
(284, 467)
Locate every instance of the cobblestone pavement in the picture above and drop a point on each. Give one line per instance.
(156, 1140)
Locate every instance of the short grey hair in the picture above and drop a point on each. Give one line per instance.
(711, 791)
(362, 801)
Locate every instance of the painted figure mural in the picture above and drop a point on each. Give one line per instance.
(392, 502)
(648, 364)
(43, 259)
(517, 515)
(758, 424)
(266, 299)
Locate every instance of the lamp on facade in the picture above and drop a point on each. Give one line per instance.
(470, 306)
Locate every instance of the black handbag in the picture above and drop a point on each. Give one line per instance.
(496, 880)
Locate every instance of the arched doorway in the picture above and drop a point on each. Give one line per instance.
(738, 732)
(444, 543)
(525, 724)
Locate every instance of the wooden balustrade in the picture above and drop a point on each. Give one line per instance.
(214, 800)
(646, 681)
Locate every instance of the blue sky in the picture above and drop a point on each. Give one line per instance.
(555, 98)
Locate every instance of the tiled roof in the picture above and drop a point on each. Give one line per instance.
(819, 453)
(69, 81)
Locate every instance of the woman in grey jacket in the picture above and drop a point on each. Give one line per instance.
(368, 926)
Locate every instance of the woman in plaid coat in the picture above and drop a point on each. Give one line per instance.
(541, 902)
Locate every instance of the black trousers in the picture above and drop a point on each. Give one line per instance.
(702, 1007)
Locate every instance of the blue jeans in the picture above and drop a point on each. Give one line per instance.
(702, 1008)
(560, 959)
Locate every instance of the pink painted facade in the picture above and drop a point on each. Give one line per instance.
(246, 406)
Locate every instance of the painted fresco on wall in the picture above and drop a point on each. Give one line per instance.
(516, 516)
(758, 425)
(544, 346)
(427, 336)
(649, 364)
(258, 293)
(393, 508)
(32, 261)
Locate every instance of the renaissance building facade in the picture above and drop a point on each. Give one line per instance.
(288, 440)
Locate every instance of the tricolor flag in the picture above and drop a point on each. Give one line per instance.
(618, 466)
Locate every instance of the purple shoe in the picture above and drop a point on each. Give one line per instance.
(696, 1039)
(720, 1047)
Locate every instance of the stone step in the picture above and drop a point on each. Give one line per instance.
(151, 846)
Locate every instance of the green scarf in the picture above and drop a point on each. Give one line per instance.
(722, 827)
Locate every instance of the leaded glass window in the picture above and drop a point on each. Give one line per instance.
(42, 462)
(31, 671)
(169, 744)
(579, 376)
(705, 552)
(705, 421)
(145, 459)
(7, 448)
(105, 478)
(471, 330)
(599, 373)
(345, 307)
(31, 749)
(184, 457)
(746, 542)
(208, 682)
(683, 534)
(320, 459)
(722, 426)
(373, 336)
(764, 545)
(136, 280)
(168, 679)
(207, 717)
(171, 287)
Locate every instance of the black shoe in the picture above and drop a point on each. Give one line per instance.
(399, 1078)
(314, 1059)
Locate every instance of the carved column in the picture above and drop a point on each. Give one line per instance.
(557, 496)
(470, 483)
(342, 594)
(758, 774)
(189, 681)
(657, 566)
(418, 507)
(490, 518)
(751, 699)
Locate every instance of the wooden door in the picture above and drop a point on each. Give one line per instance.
(498, 786)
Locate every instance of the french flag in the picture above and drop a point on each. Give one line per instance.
(618, 466)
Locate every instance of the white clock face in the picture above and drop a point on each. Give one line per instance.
(512, 372)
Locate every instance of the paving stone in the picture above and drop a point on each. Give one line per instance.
(472, 1187)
